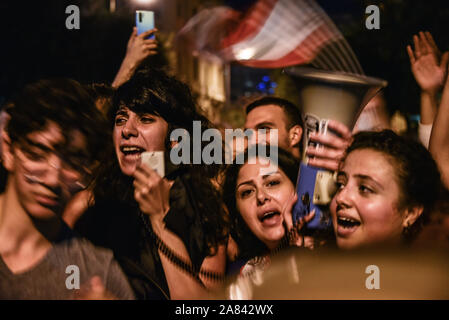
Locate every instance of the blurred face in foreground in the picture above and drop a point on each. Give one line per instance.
(365, 208)
(135, 133)
(262, 193)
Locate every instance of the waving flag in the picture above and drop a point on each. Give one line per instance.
(276, 33)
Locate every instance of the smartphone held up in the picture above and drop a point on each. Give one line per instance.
(144, 22)
(155, 161)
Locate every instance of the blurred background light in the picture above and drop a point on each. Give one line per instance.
(245, 54)
(145, 1)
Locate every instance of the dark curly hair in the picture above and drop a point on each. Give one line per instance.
(102, 94)
(64, 102)
(152, 91)
(417, 173)
(249, 245)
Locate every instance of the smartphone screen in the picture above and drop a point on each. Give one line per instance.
(144, 22)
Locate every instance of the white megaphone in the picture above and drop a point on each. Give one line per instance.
(325, 95)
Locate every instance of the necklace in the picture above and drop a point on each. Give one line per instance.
(176, 259)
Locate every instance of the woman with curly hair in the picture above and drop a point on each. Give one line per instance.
(168, 233)
(387, 187)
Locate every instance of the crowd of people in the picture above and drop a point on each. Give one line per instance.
(76, 195)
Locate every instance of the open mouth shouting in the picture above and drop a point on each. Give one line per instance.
(131, 151)
(270, 217)
(346, 225)
(129, 157)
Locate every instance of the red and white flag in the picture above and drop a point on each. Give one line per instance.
(274, 34)
(279, 33)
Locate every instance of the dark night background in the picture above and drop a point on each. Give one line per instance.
(35, 43)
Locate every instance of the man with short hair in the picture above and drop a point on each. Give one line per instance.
(276, 113)
(51, 143)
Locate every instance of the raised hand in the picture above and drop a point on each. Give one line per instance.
(428, 70)
(138, 49)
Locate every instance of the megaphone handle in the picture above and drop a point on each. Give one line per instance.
(307, 199)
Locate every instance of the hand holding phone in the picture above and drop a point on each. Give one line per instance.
(152, 192)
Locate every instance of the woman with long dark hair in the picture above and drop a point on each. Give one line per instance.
(259, 197)
(167, 233)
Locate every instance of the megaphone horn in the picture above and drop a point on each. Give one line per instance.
(326, 95)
